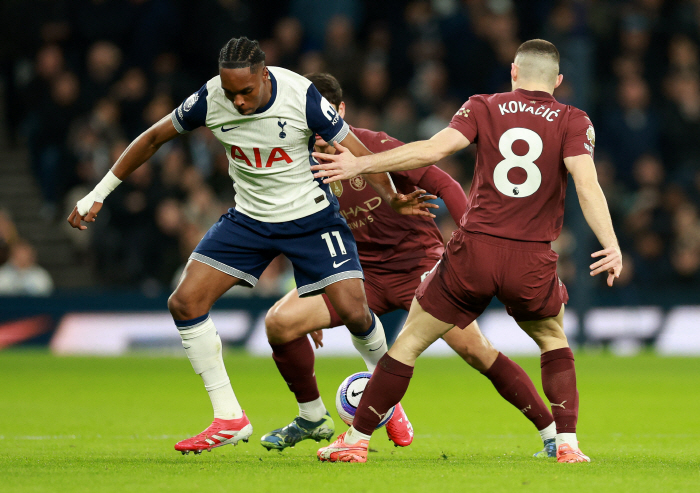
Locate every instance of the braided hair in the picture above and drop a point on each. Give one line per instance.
(240, 53)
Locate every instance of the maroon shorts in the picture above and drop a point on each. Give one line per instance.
(477, 267)
(388, 288)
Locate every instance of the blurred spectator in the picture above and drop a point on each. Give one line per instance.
(567, 27)
(103, 62)
(92, 138)
(400, 120)
(314, 15)
(340, 53)
(132, 93)
(202, 209)
(312, 62)
(681, 125)
(439, 118)
(21, 276)
(288, 37)
(169, 221)
(168, 77)
(429, 87)
(631, 127)
(125, 244)
(51, 159)
(374, 85)
(8, 235)
(49, 64)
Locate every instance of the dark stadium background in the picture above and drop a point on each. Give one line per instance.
(80, 79)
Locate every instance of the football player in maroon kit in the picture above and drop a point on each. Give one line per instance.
(395, 254)
(526, 143)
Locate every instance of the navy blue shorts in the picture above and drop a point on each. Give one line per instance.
(320, 246)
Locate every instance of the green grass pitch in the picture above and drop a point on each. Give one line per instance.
(91, 424)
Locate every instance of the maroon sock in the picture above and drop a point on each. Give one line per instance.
(384, 390)
(559, 384)
(295, 361)
(516, 387)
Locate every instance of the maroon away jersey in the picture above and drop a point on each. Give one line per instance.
(382, 235)
(519, 184)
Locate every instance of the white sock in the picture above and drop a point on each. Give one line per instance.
(203, 347)
(352, 436)
(372, 346)
(549, 432)
(568, 438)
(312, 411)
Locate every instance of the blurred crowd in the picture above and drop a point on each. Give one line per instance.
(90, 75)
(20, 275)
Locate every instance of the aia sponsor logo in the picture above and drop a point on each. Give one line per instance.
(277, 154)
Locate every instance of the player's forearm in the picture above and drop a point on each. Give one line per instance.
(383, 184)
(138, 152)
(410, 156)
(595, 210)
(437, 182)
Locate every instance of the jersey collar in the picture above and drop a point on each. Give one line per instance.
(273, 96)
(536, 94)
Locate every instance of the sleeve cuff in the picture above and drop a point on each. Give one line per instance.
(342, 133)
(176, 122)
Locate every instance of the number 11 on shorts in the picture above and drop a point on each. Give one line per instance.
(329, 242)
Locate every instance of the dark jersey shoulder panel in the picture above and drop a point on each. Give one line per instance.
(192, 113)
(322, 118)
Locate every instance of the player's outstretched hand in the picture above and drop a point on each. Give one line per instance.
(342, 165)
(75, 218)
(610, 263)
(414, 204)
(317, 337)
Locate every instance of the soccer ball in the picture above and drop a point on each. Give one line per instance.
(348, 398)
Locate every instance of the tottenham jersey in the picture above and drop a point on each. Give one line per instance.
(269, 152)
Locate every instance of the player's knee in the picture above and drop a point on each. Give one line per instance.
(550, 338)
(472, 347)
(277, 326)
(175, 305)
(356, 319)
(480, 358)
(182, 308)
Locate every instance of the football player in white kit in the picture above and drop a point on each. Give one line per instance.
(266, 118)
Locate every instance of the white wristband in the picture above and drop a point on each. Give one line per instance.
(99, 193)
(107, 184)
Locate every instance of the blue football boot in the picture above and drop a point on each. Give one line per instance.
(298, 430)
(549, 450)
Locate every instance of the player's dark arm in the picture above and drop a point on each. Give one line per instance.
(595, 210)
(144, 147)
(411, 204)
(138, 152)
(438, 182)
(343, 165)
